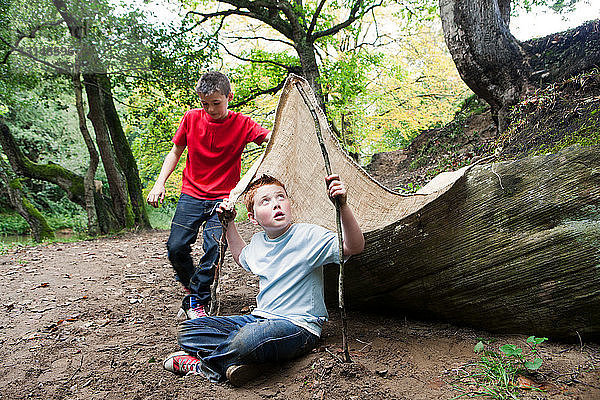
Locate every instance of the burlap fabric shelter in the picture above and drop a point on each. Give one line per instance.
(294, 157)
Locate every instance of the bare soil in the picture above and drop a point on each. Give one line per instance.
(94, 319)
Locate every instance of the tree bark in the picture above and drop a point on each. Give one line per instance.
(93, 70)
(124, 156)
(116, 181)
(499, 68)
(511, 247)
(488, 57)
(310, 69)
(88, 180)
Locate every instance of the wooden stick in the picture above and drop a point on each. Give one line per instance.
(338, 225)
(215, 301)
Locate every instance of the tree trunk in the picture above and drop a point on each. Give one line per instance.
(124, 156)
(310, 69)
(88, 180)
(488, 57)
(499, 68)
(92, 76)
(116, 181)
(70, 182)
(40, 229)
(511, 247)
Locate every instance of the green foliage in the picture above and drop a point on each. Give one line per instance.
(256, 77)
(587, 134)
(574, 121)
(36, 98)
(410, 188)
(151, 124)
(409, 87)
(345, 77)
(13, 224)
(555, 5)
(495, 375)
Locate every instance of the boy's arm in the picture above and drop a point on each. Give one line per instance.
(157, 194)
(354, 241)
(234, 239)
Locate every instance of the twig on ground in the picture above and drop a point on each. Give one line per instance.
(76, 371)
(499, 178)
(334, 355)
(580, 341)
(366, 344)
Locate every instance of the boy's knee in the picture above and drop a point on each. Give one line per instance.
(176, 250)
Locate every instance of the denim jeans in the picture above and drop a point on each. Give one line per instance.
(190, 214)
(220, 342)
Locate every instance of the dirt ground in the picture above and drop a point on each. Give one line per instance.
(94, 319)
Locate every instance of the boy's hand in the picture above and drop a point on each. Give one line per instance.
(156, 196)
(226, 210)
(337, 189)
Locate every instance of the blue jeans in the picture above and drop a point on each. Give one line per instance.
(190, 214)
(220, 342)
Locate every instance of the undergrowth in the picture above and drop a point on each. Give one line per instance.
(496, 375)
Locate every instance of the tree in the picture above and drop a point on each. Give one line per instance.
(301, 26)
(498, 67)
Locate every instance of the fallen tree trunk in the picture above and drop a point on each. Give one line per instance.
(507, 247)
(510, 247)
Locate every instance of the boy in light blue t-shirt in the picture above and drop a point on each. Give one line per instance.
(288, 259)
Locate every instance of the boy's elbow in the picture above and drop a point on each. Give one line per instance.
(359, 249)
(355, 248)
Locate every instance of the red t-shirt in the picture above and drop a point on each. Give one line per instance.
(213, 164)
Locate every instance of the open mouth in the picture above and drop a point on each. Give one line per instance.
(279, 214)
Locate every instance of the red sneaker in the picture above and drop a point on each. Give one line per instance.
(191, 308)
(181, 363)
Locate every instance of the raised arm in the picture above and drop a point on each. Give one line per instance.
(157, 194)
(234, 239)
(354, 241)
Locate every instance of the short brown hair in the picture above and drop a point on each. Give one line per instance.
(253, 187)
(213, 81)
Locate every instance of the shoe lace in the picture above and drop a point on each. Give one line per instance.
(187, 364)
(199, 310)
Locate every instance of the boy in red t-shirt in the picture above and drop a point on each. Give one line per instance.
(215, 138)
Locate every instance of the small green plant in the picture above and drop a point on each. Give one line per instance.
(495, 375)
(410, 188)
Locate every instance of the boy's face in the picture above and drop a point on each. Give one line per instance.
(215, 104)
(272, 210)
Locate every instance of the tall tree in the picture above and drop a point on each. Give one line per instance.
(498, 67)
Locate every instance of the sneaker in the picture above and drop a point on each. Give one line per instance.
(191, 309)
(238, 375)
(181, 363)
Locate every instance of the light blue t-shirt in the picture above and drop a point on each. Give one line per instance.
(290, 271)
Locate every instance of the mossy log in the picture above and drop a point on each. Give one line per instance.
(70, 182)
(40, 229)
(511, 247)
